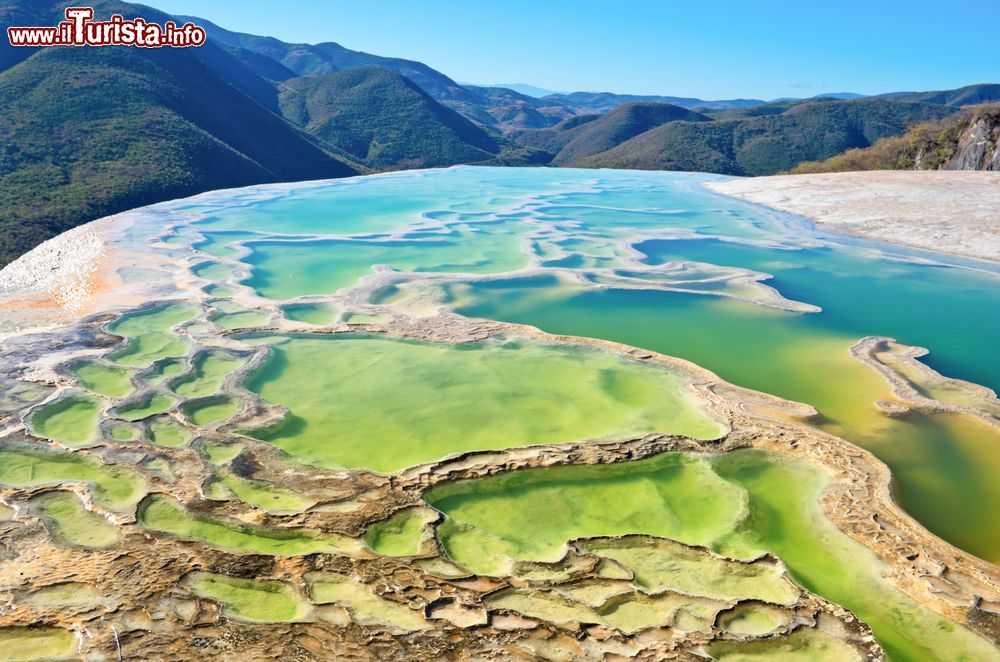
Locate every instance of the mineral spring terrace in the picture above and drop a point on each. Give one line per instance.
(496, 414)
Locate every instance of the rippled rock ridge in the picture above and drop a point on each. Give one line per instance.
(485, 413)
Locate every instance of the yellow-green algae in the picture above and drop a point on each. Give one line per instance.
(71, 419)
(628, 611)
(664, 497)
(220, 453)
(64, 594)
(436, 399)
(122, 433)
(149, 405)
(111, 487)
(210, 410)
(658, 564)
(147, 332)
(159, 513)
(75, 524)
(402, 534)
(104, 378)
(753, 619)
(168, 433)
(740, 504)
(164, 370)
(803, 645)
(255, 600)
(311, 313)
(266, 496)
(208, 370)
(22, 644)
(365, 606)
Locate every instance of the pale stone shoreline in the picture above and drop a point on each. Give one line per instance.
(946, 211)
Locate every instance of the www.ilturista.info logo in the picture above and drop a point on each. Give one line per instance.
(79, 29)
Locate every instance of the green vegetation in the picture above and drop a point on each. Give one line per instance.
(615, 127)
(766, 144)
(159, 513)
(113, 488)
(924, 146)
(71, 419)
(142, 127)
(383, 120)
(254, 600)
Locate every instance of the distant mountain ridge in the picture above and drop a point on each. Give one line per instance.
(768, 143)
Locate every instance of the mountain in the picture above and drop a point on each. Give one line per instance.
(384, 120)
(963, 96)
(578, 138)
(523, 88)
(93, 131)
(966, 140)
(328, 57)
(766, 144)
(506, 109)
(602, 102)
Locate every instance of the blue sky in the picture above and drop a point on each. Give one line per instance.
(721, 49)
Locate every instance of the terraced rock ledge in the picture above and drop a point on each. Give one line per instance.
(144, 515)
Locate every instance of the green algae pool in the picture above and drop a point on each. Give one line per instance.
(76, 525)
(158, 513)
(148, 334)
(942, 465)
(208, 370)
(739, 504)
(72, 419)
(253, 600)
(284, 270)
(103, 378)
(112, 487)
(436, 399)
(22, 644)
